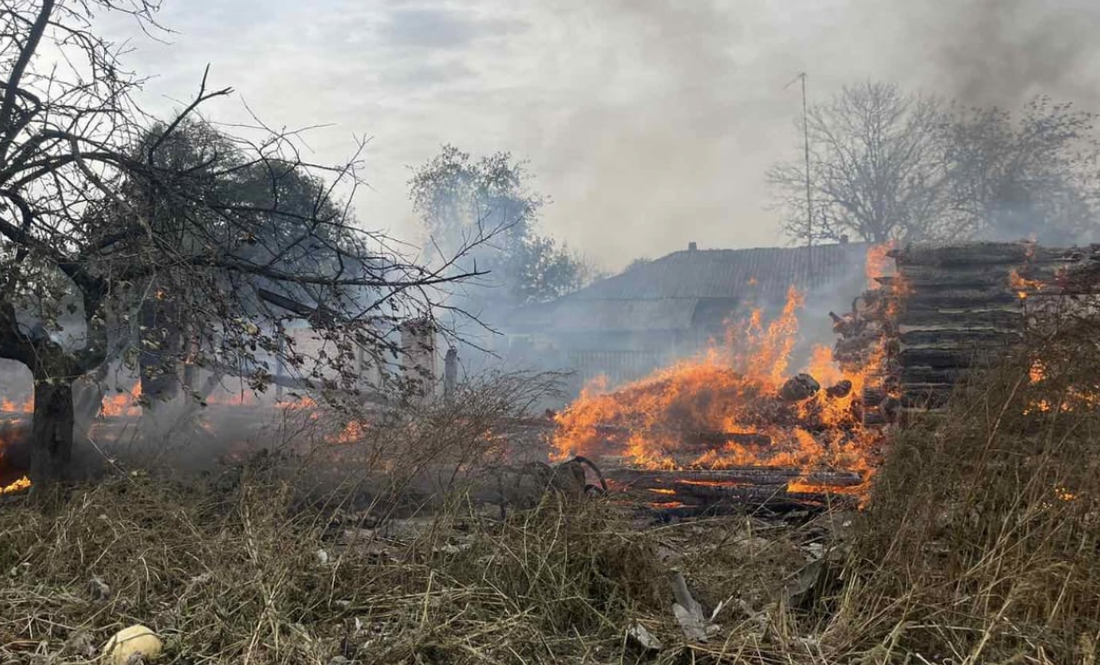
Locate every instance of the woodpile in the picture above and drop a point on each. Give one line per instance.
(867, 345)
(950, 309)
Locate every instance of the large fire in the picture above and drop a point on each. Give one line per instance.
(735, 405)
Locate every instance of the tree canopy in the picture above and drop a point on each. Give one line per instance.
(103, 209)
(458, 197)
(889, 164)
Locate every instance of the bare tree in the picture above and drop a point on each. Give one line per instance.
(875, 165)
(99, 214)
(885, 164)
(1037, 174)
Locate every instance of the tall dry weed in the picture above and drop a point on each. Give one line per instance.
(981, 543)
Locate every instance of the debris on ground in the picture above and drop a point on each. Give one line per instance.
(640, 636)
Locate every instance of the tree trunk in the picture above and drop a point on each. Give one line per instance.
(52, 431)
(161, 346)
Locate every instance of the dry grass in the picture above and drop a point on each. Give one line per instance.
(980, 546)
(982, 542)
(241, 581)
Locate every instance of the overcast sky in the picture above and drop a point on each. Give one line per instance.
(649, 123)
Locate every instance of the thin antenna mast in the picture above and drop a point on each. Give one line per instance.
(809, 198)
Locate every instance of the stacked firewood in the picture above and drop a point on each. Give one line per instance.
(949, 310)
(961, 313)
(867, 345)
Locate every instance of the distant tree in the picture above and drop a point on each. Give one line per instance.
(458, 198)
(212, 166)
(1037, 174)
(876, 170)
(637, 263)
(885, 164)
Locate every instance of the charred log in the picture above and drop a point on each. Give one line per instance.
(964, 254)
(799, 388)
(1000, 320)
(753, 475)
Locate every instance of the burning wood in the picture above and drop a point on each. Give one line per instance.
(799, 388)
(732, 424)
(750, 475)
(686, 492)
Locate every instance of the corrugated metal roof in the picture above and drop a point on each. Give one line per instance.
(593, 315)
(718, 273)
(663, 294)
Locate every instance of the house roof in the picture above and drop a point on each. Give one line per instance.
(663, 294)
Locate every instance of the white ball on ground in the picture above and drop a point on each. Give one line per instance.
(132, 641)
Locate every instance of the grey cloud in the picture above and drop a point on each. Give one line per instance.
(440, 28)
(422, 76)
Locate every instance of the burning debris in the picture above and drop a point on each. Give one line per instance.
(732, 424)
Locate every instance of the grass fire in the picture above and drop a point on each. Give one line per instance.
(731, 407)
(583, 357)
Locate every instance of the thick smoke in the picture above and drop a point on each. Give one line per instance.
(649, 122)
(1004, 52)
(689, 109)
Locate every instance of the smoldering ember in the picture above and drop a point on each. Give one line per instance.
(274, 392)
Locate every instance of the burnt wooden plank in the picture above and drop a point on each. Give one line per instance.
(956, 338)
(972, 253)
(932, 375)
(973, 277)
(962, 300)
(750, 475)
(1002, 320)
(759, 508)
(717, 492)
(967, 254)
(1063, 254)
(933, 288)
(946, 358)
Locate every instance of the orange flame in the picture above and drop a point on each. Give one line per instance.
(8, 406)
(723, 407)
(877, 261)
(730, 394)
(1074, 397)
(122, 404)
(1064, 494)
(1037, 372)
(352, 432)
(17, 486)
(1022, 285)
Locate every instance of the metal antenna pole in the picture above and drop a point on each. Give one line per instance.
(809, 197)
